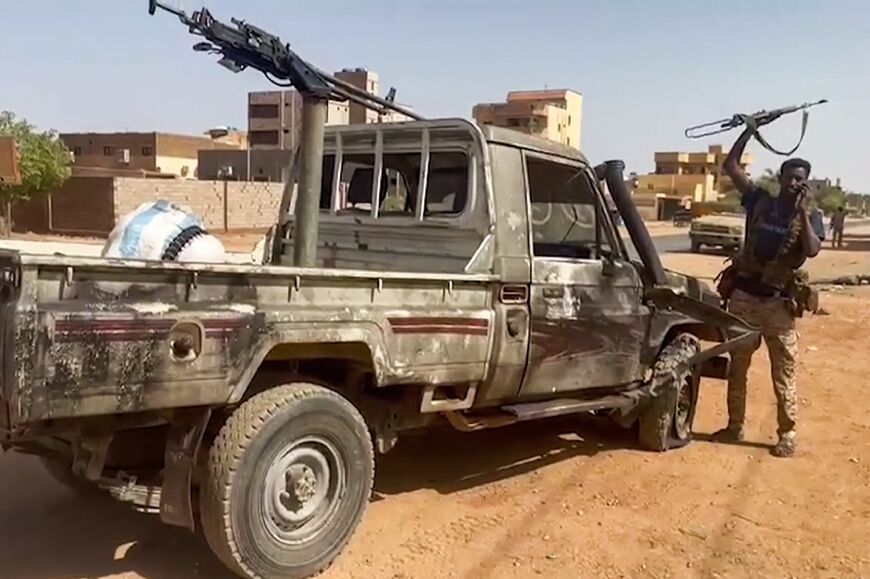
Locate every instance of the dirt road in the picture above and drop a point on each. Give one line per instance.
(566, 498)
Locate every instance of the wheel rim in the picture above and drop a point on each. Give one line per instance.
(303, 489)
(683, 410)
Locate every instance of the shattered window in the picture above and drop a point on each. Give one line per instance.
(563, 210)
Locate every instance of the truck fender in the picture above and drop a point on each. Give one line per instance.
(732, 332)
(359, 332)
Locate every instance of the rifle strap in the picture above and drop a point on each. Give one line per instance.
(763, 142)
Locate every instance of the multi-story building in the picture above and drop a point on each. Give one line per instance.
(684, 178)
(553, 114)
(157, 154)
(275, 118)
(366, 80)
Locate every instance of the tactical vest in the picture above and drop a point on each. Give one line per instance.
(783, 272)
(780, 271)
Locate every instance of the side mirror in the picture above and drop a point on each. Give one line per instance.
(152, 7)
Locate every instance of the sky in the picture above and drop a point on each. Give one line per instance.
(647, 69)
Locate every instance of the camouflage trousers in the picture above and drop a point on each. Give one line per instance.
(778, 331)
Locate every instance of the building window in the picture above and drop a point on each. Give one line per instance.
(147, 151)
(264, 137)
(263, 111)
(107, 151)
(77, 151)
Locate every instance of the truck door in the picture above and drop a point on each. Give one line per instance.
(588, 323)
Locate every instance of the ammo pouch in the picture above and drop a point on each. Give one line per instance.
(802, 297)
(726, 282)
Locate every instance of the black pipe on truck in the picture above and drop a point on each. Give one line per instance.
(612, 172)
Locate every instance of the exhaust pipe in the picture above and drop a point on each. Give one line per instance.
(611, 172)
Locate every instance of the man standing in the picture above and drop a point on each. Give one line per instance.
(765, 287)
(838, 223)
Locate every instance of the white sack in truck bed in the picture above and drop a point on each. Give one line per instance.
(163, 231)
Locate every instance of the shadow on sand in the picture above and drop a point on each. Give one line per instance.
(49, 532)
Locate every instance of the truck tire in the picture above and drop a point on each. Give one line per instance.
(288, 478)
(696, 246)
(666, 422)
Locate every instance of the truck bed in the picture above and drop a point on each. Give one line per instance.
(91, 336)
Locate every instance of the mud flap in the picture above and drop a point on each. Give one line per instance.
(182, 444)
(736, 332)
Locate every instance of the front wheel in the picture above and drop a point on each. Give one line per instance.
(696, 246)
(666, 422)
(289, 476)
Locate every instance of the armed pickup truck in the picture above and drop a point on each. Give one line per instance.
(466, 276)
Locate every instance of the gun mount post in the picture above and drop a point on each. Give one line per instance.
(308, 201)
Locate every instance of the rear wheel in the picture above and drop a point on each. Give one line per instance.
(289, 476)
(666, 423)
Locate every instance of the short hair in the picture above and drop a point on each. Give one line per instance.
(796, 164)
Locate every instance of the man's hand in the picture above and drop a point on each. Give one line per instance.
(805, 199)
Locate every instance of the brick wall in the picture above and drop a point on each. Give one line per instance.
(83, 206)
(222, 205)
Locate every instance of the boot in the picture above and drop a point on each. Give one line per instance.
(785, 447)
(729, 434)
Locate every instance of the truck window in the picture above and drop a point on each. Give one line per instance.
(401, 173)
(447, 190)
(563, 211)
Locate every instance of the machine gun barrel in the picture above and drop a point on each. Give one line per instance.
(244, 45)
(761, 117)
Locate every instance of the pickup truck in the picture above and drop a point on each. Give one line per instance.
(498, 291)
(465, 276)
(722, 230)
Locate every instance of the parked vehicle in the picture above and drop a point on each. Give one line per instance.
(720, 230)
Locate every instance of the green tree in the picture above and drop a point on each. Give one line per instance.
(44, 161)
(769, 181)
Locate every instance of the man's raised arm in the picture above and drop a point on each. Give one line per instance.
(732, 163)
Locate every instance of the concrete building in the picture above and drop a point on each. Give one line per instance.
(684, 178)
(143, 154)
(819, 185)
(362, 79)
(275, 118)
(552, 114)
(223, 165)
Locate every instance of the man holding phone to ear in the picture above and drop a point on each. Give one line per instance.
(766, 287)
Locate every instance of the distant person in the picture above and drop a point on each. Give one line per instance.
(838, 224)
(766, 287)
(818, 222)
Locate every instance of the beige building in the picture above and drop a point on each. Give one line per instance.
(684, 178)
(556, 115)
(366, 80)
(275, 118)
(144, 154)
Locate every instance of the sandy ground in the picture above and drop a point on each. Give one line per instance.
(565, 498)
